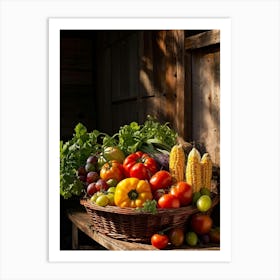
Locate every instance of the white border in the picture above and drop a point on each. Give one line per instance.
(24, 132)
(55, 25)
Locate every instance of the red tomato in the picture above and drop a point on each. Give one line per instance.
(140, 171)
(161, 180)
(143, 161)
(150, 163)
(112, 170)
(168, 201)
(183, 192)
(201, 223)
(159, 241)
(176, 236)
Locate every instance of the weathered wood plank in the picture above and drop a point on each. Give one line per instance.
(206, 101)
(180, 101)
(104, 88)
(146, 63)
(188, 98)
(81, 220)
(132, 72)
(149, 102)
(76, 77)
(76, 54)
(165, 46)
(115, 68)
(75, 237)
(123, 113)
(167, 76)
(125, 68)
(202, 39)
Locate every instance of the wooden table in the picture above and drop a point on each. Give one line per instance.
(81, 221)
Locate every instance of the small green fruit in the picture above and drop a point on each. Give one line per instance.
(112, 183)
(94, 197)
(102, 200)
(111, 197)
(191, 238)
(111, 190)
(204, 203)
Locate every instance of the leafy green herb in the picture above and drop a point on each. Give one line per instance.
(73, 154)
(149, 206)
(151, 136)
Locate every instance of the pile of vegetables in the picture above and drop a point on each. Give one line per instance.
(142, 166)
(151, 137)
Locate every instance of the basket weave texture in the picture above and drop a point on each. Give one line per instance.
(131, 225)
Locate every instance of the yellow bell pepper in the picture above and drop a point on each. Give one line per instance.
(132, 192)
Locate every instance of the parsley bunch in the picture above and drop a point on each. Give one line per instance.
(74, 154)
(150, 136)
(149, 206)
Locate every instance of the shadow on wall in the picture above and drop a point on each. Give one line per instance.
(158, 74)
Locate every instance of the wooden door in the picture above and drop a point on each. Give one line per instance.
(140, 73)
(118, 79)
(162, 76)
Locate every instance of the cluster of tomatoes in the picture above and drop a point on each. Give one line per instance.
(200, 230)
(144, 167)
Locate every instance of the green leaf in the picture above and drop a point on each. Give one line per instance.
(80, 130)
(134, 126)
(149, 206)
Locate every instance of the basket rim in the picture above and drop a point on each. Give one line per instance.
(190, 209)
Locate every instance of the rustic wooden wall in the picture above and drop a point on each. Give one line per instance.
(203, 89)
(77, 82)
(162, 76)
(206, 100)
(110, 78)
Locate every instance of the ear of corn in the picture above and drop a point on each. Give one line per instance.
(177, 162)
(206, 171)
(193, 170)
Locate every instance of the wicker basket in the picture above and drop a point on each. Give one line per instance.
(131, 225)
